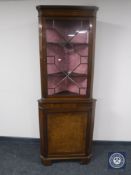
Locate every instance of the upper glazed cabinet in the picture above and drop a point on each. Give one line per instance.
(66, 44)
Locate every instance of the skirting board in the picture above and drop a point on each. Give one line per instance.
(20, 140)
(37, 140)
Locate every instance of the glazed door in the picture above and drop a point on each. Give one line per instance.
(67, 56)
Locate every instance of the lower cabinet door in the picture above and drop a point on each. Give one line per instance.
(67, 133)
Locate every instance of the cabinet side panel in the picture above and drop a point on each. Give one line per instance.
(42, 45)
(43, 132)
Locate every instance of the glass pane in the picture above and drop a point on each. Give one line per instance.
(67, 56)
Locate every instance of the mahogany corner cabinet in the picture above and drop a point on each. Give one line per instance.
(66, 107)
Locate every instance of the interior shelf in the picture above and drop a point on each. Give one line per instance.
(65, 43)
(63, 74)
(66, 93)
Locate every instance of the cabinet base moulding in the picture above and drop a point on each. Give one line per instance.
(49, 161)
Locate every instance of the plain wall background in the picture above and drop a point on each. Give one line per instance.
(20, 73)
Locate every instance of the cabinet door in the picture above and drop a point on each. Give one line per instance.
(67, 56)
(67, 133)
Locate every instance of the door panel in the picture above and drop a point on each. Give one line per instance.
(67, 132)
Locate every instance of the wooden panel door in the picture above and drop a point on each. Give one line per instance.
(67, 133)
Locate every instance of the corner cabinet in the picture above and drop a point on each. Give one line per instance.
(66, 108)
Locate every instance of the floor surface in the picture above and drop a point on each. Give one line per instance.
(23, 159)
